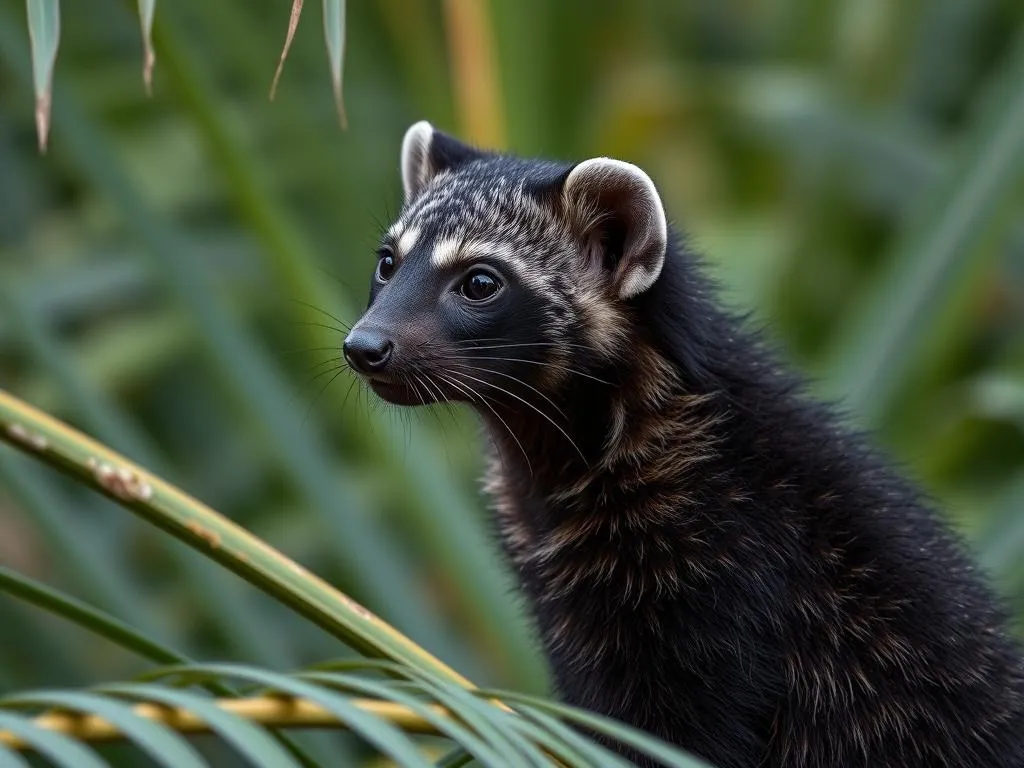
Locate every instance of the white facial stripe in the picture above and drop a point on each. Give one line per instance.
(408, 239)
(446, 252)
(450, 252)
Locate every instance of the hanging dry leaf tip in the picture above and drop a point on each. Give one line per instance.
(293, 23)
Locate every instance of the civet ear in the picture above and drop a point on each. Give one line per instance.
(426, 152)
(623, 219)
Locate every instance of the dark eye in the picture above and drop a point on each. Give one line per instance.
(479, 285)
(386, 265)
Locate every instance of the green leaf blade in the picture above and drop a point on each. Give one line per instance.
(642, 742)
(44, 36)
(390, 740)
(86, 616)
(54, 746)
(161, 744)
(251, 741)
(147, 8)
(334, 33)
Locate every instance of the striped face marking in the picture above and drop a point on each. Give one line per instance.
(407, 240)
(450, 252)
(447, 252)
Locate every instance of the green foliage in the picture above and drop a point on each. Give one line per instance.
(177, 271)
(385, 722)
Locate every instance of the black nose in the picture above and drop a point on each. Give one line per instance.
(367, 351)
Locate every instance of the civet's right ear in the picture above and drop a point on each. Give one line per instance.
(622, 216)
(427, 152)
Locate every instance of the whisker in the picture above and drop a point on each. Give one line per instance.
(425, 382)
(416, 389)
(483, 399)
(323, 389)
(323, 312)
(534, 407)
(309, 349)
(341, 367)
(436, 394)
(321, 325)
(335, 360)
(333, 276)
(446, 403)
(560, 367)
(470, 344)
(348, 392)
(518, 381)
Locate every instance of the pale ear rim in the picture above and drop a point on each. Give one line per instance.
(415, 156)
(655, 237)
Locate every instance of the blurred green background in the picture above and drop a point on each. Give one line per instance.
(170, 268)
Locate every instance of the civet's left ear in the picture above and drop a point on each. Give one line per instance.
(426, 152)
(620, 210)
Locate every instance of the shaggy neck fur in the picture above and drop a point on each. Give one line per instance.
(728, 568)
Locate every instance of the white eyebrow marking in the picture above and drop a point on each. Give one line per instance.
(450, 251)
(408, 239)
(446, 252)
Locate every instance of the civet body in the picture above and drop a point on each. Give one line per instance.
(708, 553)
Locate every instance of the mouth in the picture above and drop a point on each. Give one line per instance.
(395, 393)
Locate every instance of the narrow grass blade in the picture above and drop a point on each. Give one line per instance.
(567, 743)
(490, 719)
(334, 32)
(86, 616)
(293, 23)
(146, 10)
(44, 35)
(639, 741)
(54, 746)
(540, 736)
(451, 727)
(385, 736)
(457, 758)
(191, 521)
(377, 720)
(163, 745)
(251, 741)
(870, 355)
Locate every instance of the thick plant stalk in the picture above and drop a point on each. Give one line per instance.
(68, 450)
(268, 711)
